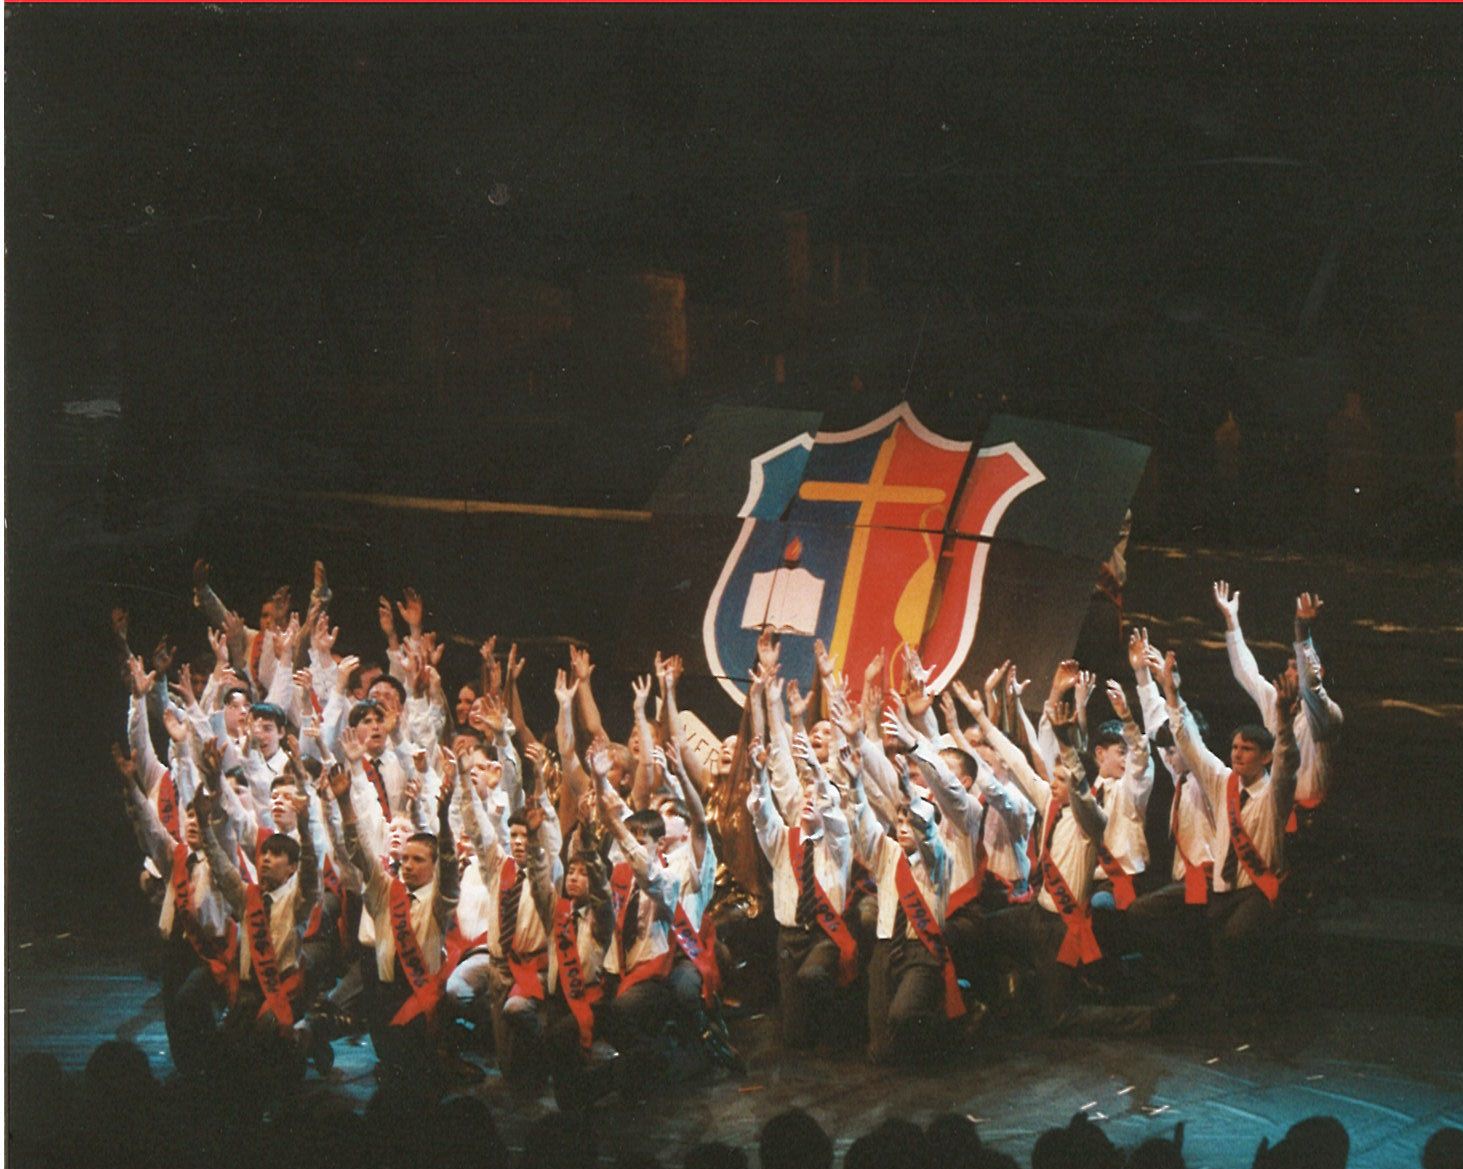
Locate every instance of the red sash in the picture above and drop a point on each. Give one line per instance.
(329, 883)
(969, 891)
(828, 921)
(622, 883)
(1292, 825)
(1080, 943)
(1197, 877)
(701, 953)
(426, 987)
(373, 773)
(263, 962)
(1123, 893)
(526, 968)
(1244, 848)
(221, 957)
(246, 867)
(256, 651)
(167, 805)
(580, 996)
(917, 912)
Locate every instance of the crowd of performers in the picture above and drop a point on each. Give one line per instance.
(334, 844)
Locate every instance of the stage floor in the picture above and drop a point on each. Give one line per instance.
(1391, 1078)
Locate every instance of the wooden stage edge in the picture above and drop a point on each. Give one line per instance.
(1392, 1078)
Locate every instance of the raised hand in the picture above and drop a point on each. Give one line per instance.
(1118, 700)
(947, 708)
(201, 570)
(300, 801)
(563, 688)
(126, 762)
(1307, 607)
(185, 685)
(1064, 678)
(141, 682)
(967, 699)
(351, 745)
(211, 763)
(916, 673)
(1168, 677)
(579, 662)
(769, 649)
(918, 701)
(119, 624)
(640, 691)
(1287, 697)
(802, 749)
(599, 760)
(489, 715)
(1227, 603)
(1013, 687)
(320, 586)
(844, 718)
(163, 654)
(203, 803)
(386, 617)
(797, 702)
(825, 660)
(1138, 649)
(179, 729)
(1086, 684)
(348, 665)
(1061, 715)
(515, 663)
(993, 680)
(410, 607)
(322, 637)
(757, 753)
(279, 605)
(899, 732)
(538, 757)
(874, 671)
(219, 643)
(340, 782)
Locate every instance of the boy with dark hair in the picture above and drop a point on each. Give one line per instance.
(811, 862)
(1252, 804)
(403, 927)
(644, 896)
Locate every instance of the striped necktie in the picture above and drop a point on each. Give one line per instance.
(807, 887)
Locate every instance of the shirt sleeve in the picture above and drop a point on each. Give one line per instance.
(1247, 674)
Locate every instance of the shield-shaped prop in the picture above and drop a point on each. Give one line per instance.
(867, 539)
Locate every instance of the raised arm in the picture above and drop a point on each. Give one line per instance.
(221, 865)
(1241, 660)
(355, 852)
(1203, 763)
(152, 837)
(1323, 714)
(1032, 786)
(582, 668)
(766, 819)
(1285, 763)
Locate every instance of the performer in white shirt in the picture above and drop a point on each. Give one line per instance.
(1253, 804)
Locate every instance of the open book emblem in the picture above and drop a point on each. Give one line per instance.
(787, 598)
(864, 538)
